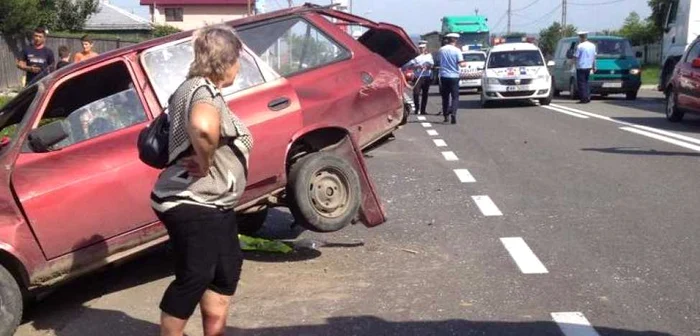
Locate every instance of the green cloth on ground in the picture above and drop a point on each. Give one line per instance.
(263, 245)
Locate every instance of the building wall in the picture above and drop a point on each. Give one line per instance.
(198, 16)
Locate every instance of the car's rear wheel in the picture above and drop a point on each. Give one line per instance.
(11, 304)
(250, 223)
(573, 93)
(323, 192)
(673, 113)
(632, 95)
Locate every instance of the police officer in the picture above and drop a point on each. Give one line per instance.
(422, 66)
(451, 60)
(585, 64)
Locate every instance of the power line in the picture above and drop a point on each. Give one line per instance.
(595, 4)
(500, 20)
(542, 17)
(526, 7)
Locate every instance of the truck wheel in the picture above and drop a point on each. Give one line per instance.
(323, 192)
(11, 304)
(251, 223)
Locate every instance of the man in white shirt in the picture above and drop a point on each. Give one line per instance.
(422, 66)
(585, 64)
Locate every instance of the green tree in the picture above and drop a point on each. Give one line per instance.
(164, 30)
(637, 31)
(659, 8)
(18, 17)
(550, 36)
(70, 15)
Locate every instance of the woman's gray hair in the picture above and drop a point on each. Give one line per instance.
(216, 49)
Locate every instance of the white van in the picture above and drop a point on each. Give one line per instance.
(681, 28)
(516, 71)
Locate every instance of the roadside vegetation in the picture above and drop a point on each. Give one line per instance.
(650, 74)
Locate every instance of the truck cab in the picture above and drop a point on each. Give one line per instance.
(680, 29)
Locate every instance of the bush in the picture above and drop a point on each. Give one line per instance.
(164, 30)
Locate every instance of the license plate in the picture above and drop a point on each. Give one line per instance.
(612, 85)
(513, 88)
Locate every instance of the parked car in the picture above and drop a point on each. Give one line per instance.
(470, 77)
(516, 71)
(617, 69)
(683, 89)
(76, 197)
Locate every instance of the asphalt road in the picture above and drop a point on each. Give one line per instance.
(576, 220)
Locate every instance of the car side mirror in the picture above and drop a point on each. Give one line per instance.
(696, 63)
(42, 138)
(551, 63)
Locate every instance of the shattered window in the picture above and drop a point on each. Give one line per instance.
(292, 46)
(167, 67)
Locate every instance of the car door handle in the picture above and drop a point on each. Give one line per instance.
(278, 104)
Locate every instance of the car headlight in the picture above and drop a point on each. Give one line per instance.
(542, 78)
(635, 72)
(492, 80)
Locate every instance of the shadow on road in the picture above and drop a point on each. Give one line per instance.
(108, 323)
(638, 151)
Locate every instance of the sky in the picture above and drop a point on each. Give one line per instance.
(422, 16)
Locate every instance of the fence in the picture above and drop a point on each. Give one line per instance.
(11, 77)
(651, 53)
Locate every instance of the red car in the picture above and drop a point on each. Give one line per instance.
(683, 90)
(76, 197)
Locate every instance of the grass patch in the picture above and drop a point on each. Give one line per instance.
(4, 100)
(650, 74)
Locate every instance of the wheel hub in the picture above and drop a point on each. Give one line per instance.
(328, 193)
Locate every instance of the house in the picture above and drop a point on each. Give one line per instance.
(192, 14)
(112, 20)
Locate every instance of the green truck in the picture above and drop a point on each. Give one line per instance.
(473, 32)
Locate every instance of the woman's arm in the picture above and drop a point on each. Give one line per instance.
(204, 131)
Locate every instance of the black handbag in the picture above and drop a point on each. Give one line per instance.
(153, 142)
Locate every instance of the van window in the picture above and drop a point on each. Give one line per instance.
(519, 58)
(613, 48)
(672, 13)
(561, 51)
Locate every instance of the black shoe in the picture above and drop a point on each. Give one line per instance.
(446, 119)
(453, 119)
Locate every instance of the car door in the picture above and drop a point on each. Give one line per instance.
(689, 79)
(264, 101)
(91, 186)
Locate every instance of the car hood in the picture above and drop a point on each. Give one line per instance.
(517, 72)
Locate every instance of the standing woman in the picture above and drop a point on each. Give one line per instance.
(194, 197)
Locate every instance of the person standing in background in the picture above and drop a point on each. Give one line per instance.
(585, 64)
(64, 55)
(37, 59)
(87, 52)
(451, 59)
(422, 66)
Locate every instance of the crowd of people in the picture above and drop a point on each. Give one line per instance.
(37, 60)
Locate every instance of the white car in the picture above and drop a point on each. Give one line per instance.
(516, 71)
(470, 75)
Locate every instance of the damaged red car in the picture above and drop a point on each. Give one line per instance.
(75, 196)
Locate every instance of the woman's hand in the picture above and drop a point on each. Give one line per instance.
(194, 167)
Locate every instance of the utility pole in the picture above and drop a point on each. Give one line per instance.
(563, 14)
(509, 14)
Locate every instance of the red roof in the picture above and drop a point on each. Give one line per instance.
(196, 2)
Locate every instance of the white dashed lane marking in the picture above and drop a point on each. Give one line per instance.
(450, 156)
(523, 256)
(464, 176)
(426, 124)
(440, 142)
(432, 132)
(574, 324)
(486, 205)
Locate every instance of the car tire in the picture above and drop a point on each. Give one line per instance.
(546, 101)
(631, 95)
(11, 303)
(573, 93)
(556, 93)
(673, 113)
(323, 192)
(250, 223)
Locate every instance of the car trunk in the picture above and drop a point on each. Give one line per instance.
(390, 42)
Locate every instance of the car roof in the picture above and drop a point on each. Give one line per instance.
(514, 46)
(474, 52)
(596, 37)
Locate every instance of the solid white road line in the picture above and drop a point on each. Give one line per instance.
(426, 124)
(566, 112)
(662, 138)
(464, 176)
(526, 260)
(486, 205)
(440, 142)
(574, 324)
(670, 134)
(421, 118)
(450, 156)
(432, 132)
